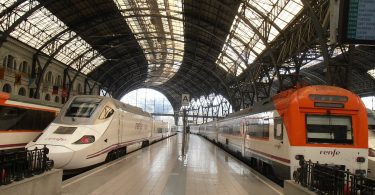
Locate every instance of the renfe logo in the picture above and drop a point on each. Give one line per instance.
(330, 153)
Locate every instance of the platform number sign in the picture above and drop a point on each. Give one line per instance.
(185, 99)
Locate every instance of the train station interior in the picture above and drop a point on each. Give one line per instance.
(187, 97)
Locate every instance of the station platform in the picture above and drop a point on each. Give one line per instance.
(160, 169)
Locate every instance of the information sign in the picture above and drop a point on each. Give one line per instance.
(185, 99)
(357, 22)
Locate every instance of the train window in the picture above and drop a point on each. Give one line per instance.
(83, 107)
(225, 129)
(258, 128)
(106, 113)
(266, 128)
(12, 118)
(278, 128)
(236, 129)
(329, 129)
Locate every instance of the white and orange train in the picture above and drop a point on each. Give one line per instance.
(93, 129)
(22, 119)
(319, 123)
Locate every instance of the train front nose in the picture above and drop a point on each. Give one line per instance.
(60, 155)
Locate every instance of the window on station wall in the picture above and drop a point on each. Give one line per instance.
(58, 81)
(9, 62)
(24, 67)
(22, 91)
(32, 93)
(79, 88)
(57, 99)
(38, 95)
(150, 101)
(47, 97)
(7, 88)
(211, 105)
(49, 77)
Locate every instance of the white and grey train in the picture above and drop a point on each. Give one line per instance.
(93, 129)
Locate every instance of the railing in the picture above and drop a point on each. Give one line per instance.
(326, 179)
(17, 165)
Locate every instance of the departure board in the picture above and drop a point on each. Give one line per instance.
(358, 21)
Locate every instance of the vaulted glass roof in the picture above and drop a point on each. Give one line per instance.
(45, 32)
(256, 24)
(158, 28)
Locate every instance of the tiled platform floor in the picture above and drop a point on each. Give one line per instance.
(160, 169)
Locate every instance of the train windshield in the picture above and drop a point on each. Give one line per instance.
(83, 107)
(329, 129)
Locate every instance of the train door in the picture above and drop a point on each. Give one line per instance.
(243, 134)
(153, 129)
(120, 129)
(216, 130)
(278, 130)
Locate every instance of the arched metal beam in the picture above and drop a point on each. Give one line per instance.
(127, 58)
(168, 90)
(322, 39)
(177, 91)
(166, 93)
(113, 66)
(197, 26)
(208, 85)
(190, 90)
(208, 71)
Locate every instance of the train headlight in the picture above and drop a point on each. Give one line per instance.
(371, 152)
(86, 139)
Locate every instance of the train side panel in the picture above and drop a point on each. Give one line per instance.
(22, 119)
(16, 139)
(194, 129)
(266, 145)
(318, 123)
(210, 131)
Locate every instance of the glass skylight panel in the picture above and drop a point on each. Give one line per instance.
(259, 47)
(5, 4)
(251, 58)
(371, 73)
(42, 26)
(160, 22)
(38, 28)
(273, 33)
(98, 60)
(250, 18)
